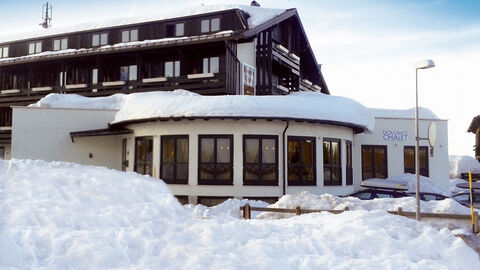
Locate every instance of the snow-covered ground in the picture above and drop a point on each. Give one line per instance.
(67, 216)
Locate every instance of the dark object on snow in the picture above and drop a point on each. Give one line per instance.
(254, 4)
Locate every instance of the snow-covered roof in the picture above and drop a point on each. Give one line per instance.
(423, 113)
(309, 106)
(258, 15)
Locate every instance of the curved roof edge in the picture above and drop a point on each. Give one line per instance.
(356, 128)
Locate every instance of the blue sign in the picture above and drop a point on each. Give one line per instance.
(395, 135)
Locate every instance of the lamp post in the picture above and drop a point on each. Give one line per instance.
(419, 65)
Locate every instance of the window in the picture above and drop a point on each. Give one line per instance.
(175, 30)
(210, 25)
(99, 39)
(172, 68)
(216, 160)
(174, 159)
(128, 73)
(349, 167)
(332, 162)
(60, 44)
(211, 64)
(211, 201)
(301, 161)
(409, 160)
(143, 155)
(35, 47)
(270, 200)
(130, 35)
(374, 161)
(182, 199)
(260, 160)
(4, 52)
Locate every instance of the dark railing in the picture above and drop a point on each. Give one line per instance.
(5, 117)
(206, 84)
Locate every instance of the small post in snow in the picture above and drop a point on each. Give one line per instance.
(247, 211)
(298, 211)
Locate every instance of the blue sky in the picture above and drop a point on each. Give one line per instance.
(367, 47)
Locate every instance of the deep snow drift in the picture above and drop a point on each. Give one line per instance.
(67, 216)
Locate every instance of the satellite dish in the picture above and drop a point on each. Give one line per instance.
(432, 134)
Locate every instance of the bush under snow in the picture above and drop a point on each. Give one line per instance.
(67, 216)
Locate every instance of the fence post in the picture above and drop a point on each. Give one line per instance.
(475, 222)
(298, 211)
(399, 211)
(247, 212)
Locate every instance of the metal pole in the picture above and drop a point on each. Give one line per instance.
(417, 183)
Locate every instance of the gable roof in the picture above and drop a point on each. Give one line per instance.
(256, 16)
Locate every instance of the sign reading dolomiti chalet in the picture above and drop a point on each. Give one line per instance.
(395, 135)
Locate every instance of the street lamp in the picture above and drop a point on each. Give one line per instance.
(424, 64)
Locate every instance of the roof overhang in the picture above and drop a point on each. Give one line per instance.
(356, 128)
(100, 132)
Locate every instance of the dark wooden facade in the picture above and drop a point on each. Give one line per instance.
(285, 61)
(475, 129)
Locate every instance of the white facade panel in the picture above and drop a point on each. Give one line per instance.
(39, 133)
(398, 133)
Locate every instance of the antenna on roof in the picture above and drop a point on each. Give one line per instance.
(254, 4)
(46, 16)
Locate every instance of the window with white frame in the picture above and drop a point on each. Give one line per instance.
(210, 25)
(60, 44)
(99, 39)
(130, 35)
(34, 47)
(175, 30)
(128, 73)
(4, 52)
(172, 68)
(211, 64)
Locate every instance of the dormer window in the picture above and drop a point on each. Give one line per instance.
(210, 25)
(130, 35)
(3, 51)
(34, 47)
(60, 44)
(175, 30)
(99, 39)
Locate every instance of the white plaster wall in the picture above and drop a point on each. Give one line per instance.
(438, 164)
(44, 133)
(246, 53)
(238, 129)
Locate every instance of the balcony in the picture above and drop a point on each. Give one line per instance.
(205, 84)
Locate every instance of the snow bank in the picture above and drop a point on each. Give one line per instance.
(423, 113)
(257, 16)
(308, 200)
(113, 102)
(461, 164)
(66, 216)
